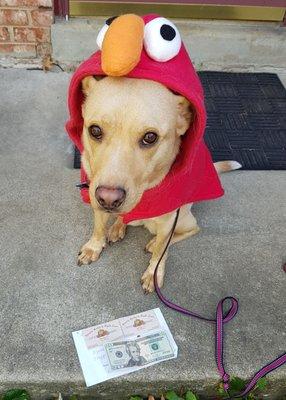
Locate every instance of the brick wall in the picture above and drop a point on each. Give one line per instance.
(25, 28)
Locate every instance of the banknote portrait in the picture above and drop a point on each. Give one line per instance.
(133, 350)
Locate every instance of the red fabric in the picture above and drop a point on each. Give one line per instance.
(192, 177)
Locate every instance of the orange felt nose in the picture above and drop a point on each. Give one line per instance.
(122, 45)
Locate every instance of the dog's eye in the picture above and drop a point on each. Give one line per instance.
(103, 30)
(95, 131)
(149, 138)
(162, 40)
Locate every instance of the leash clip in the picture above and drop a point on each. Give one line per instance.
(225, 380)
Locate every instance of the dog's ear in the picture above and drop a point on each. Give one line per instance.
(185, 115)
(88, 84)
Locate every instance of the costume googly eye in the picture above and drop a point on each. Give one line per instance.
(162, 40)
(103, 30)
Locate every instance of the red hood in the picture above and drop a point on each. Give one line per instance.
(192, 177)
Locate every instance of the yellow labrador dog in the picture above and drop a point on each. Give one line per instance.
(130, 125)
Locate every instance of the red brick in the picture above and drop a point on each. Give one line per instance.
(26, 3)
(13, 17)
(18, 50)
(44, 49)
(42, 17)
(24, 35)
(4, 34)
(43, 35)
(6, 48)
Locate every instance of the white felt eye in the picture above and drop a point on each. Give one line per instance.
(102, 32)
(162, 40)
(100, 36)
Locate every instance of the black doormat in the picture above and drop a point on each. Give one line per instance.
(246, 119)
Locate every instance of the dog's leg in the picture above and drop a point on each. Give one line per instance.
(176, 238)
(147, 279)
(150, 245)
(116, 231)
(158, 243)
(91, 250)
(181, 236)
(186, 227)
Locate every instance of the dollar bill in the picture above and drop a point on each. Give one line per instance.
(139, 352)
(124, 345)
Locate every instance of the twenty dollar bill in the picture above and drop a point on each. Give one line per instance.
(124, 345)
(142, 351)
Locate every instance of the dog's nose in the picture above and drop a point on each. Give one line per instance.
(110, 198)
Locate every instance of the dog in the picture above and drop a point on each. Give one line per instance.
(131, 136)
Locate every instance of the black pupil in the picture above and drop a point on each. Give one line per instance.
(167, 32)
(150, 137)
(110, 20)
(95, 131)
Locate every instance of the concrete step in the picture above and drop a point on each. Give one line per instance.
(213, 45)
(44, 296)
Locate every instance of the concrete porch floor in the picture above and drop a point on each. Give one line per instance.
(44, 296)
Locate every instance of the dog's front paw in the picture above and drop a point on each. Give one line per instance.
(147, 281)
(117, 231)
(89, 253)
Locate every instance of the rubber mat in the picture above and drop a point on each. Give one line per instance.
(246, 119)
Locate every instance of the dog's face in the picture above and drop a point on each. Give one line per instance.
(131, 136)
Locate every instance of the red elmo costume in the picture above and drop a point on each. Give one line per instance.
(192, 176)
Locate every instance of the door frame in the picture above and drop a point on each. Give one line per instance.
(263, 10)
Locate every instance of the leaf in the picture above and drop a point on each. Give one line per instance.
(191, 396)
(237, 384)
(16, 394)
(220, 390)
(171, 395)
(135, 398)
(261, 383)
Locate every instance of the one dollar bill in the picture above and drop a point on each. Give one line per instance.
(142, 351)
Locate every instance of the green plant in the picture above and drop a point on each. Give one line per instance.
(236, 386)
(170, 395)
(16, 394)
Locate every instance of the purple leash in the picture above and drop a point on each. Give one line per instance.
(221, 319)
